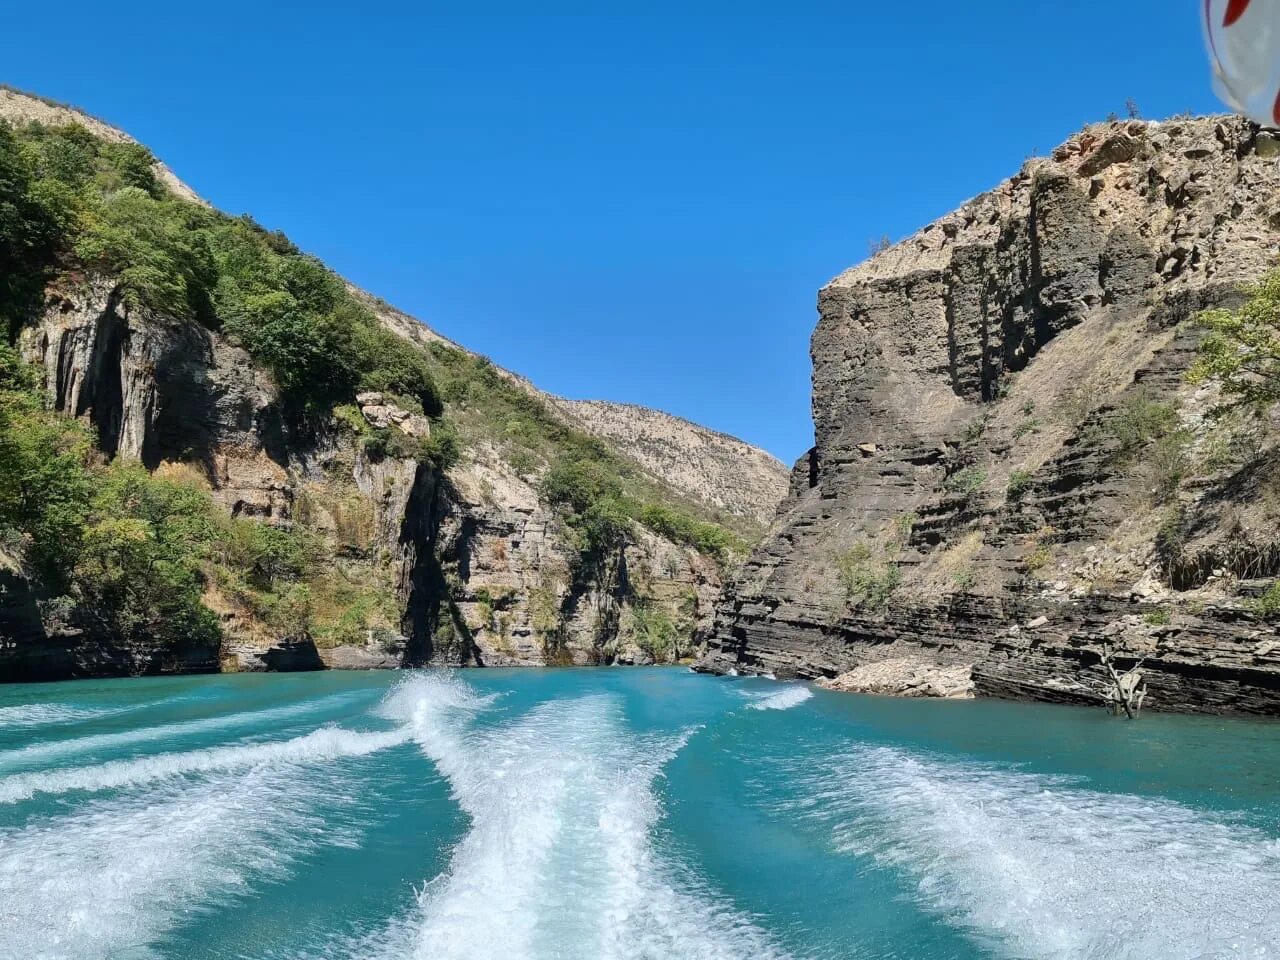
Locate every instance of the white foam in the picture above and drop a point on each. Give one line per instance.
(114, 877)
(327, 743)
(1039, 867)
(50, 750)
(111, 880)
(559, 860)
(49, 714)
(789, 696)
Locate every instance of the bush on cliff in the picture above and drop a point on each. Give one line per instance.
(868, 582)
(44, 485)
(138, 572)
(591, 492)
(1241, 349)
(65, 194)
(32, 219)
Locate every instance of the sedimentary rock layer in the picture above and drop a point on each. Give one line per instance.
(976, 496)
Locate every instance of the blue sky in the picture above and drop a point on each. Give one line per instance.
(633, 203)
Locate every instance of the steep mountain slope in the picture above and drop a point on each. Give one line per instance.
(734, 477)
(323, 480)
(20, 107)
(1011, 471)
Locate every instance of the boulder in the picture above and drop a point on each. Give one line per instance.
(906, 677)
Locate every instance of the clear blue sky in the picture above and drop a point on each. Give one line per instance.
(634, 206)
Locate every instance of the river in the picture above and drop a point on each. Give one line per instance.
(621, 813)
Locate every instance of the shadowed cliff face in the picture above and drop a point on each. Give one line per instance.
(975, 495)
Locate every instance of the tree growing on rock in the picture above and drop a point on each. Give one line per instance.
(1242, 348)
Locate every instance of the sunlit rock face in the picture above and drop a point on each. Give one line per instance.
(970, 497)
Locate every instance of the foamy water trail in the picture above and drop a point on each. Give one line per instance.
(789, 696)
(50, 714)
(559, 860)
(109, 881)
(51, 750)
(1039, 867)
(327, 743)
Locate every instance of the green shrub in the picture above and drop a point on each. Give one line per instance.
(1139, 421)
(1039, 559)
(903, 524)
(444, 446)
(33, 216)
(966, 482)
(1267, 606)
(578, 484)
(589, 490)
(656, 633)
(139, 570)
(867, 582)
(1019, 483)
(1031, 425)
(708, 538)
(268, 556)
(1241, 349)
(1167, 463)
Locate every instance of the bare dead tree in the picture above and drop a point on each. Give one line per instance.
(1128, 689)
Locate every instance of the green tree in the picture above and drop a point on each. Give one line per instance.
(139, 567)
(44, 486)
(30, 227)
(1241, 349)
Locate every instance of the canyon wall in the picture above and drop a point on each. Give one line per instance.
(1011, 472)
(480, 567)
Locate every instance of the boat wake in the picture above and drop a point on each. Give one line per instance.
(1036, 866)
(559, 860)
(43, 752)
(789, 696)
(327, 743)
(184, 832)
(50, 714)
(112, 879)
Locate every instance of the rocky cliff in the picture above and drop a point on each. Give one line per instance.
(412, 563)
(1011, 471)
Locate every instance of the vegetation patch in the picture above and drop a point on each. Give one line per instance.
(1267, 606)
(1018, 486)
(656, 633)
(1241, 348)
(967, 482)
(70, 201)
(868, 582)
(1144, 428)
(589, 486)
(1039, 559)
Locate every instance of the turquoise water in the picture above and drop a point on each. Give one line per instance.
(626, 813)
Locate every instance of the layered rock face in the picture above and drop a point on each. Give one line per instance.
(978, 497)
(482, 565)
